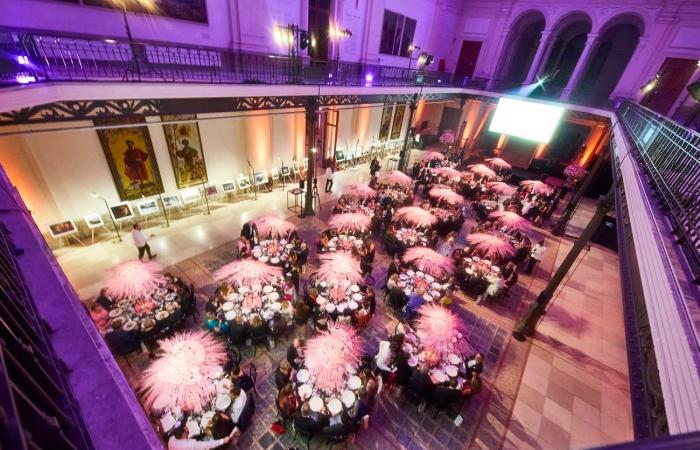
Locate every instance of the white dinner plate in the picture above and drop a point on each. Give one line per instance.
(427, 297)
(334, 406)
(167, 422)
(440, 376)
(316, 404)
(224, 386)
(223, 401)
(330, 307)
(303, 376)
(230, 315)
(276, 306)
(420, 274)
(403, 276)
(321, 300)
(256, 287)
(429, 278)
(342, 306)
(410, 273)
(305, 391)
(357, 297)
(267, 289)
(453, 359)
(130, 325)
(193, 428)
(228, 306)
(354, 382)
(355, 288)
(216, 372)
(288, 246)
(243, 290)
(275, 260)
(435, 293)
(451, 371)
(323, 284)
(348, 398)
(273, 296)
(116, 312)
(352, 304)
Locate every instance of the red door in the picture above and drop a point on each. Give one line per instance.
(467, 58)
(674, 75)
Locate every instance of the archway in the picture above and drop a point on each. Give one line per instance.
(613, 50)
(569, 38)
(522, 43)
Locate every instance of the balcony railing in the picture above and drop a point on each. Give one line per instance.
(58, 58)
(670, 156)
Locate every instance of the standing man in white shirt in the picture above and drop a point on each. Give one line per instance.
(180, 440)
(536, 255)
(141, 242)
(329, 179)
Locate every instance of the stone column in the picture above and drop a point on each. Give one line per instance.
(404, 154)
(544, 46)
(580, 66)
(500, 56)
(311, 113)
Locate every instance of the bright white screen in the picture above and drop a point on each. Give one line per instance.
(528, 120)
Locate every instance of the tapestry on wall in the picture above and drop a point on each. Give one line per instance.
(131, 158)
(398, 121)
(185, 149)
(385, 125)
(194, 10)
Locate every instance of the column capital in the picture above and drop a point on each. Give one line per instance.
(642, 41)
(545, 34)
(591, 38)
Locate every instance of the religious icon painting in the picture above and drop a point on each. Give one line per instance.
(398, 121)
(185, 149)
(131, 159)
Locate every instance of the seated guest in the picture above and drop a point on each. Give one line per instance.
(241, 379)
(122, 342)
(100, 316)
(294, 353)
(104, 300)
(278, 325)
(472, 386)
(305, 421)
(286, 402)
(393, 267)
(474, 364)
(283, 374)
(219, 427)
(415, 301)
(239, 331)
(180, 440)
(420, 384)
(215, 325)
(258, 329)
(243, 246)
(301, 317)
(238, 401)
(446, 396)
(361, 409)
(289, 292)
(392, 282)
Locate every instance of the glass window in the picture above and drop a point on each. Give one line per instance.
(397, 34)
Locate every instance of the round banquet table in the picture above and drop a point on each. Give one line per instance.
(444, 367)
(397, 197)
(339, 299)
(328, 403)
(356, 207)
(448, 219)
(343, 242)
(411, 237)
(272, 251)
(255, 300)
(478, 270)
(422, 284)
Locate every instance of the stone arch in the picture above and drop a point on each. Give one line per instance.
(521, 46)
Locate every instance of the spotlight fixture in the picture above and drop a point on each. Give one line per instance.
(22, 59)
(304, 40)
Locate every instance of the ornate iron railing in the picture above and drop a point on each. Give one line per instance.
(60, 58)
(37, 408)
(670, 156)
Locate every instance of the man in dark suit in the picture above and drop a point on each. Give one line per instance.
(293, 353)
(420, 383)
(474, 364)
(104, 300)
(241, 379)
(305, 422)
(122, 342)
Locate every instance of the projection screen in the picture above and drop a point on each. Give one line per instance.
(529, 120)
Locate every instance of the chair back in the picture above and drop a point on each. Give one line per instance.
(234, 354)
(253, 372)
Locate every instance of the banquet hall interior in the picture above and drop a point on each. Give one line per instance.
(377, 224)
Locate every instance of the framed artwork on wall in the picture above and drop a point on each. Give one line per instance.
(121, 211)
(171, 201)
(131, 159)
(212, 191)
(229, 186)
(190, 195)
(147, 207)
(397, 123)
(243, 182)
(62, 228)
(260, 177)
(385, 124)
(185, 149)
(93, 221)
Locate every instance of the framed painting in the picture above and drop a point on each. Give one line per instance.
(243, 182)
(397, 123)
(185, 149)
(93, 221)
(190, 195)
(385, 124)
(211, 191)
(171, 201)
(131, 159)
(260, 177)
(147, 207)
(62, 228)
(121, 211)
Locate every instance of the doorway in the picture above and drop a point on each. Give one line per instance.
(468, 57)
(674, 75)
(319, 21)
(449, 120)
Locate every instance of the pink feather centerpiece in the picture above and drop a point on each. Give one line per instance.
(510, 220)
(574, 171)
(482, 170)
(501, 188)
(361, 191)
(272, 226)
(498, 163)
(179, 378)
(449, 173)
(441, 331)
(134, 279)
(393, 177)
(448, 137)
(491, 245)
(446, 195)
(350, 222)
(536, 187)
(429, 261)
(339, 266)
(432, 156)
(245, 272)
(330, 354)
(415, 215)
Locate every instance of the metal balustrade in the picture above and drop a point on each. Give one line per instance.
(60, 58)
(37, 409)
(670, 156)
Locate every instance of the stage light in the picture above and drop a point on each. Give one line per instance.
(368, 79)
(23, 60)
(304, 40)
(110, 41)
(534, 121)
(650, 85)
(313, 149)
(25, 79)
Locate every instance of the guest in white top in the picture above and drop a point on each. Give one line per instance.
(141, 242)
(329, 179)
(180, 440)
(238, 403)
(536, 255)
(383, 357)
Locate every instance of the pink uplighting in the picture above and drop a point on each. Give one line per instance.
(482, 170)
(270, 225)
(446, 195)
(498, 163)
(245, 272)
(350, 222)
(510, 220)
(178, 378)
(441, 331)
(415, 215)
(133, 279)
(536, 187)
(393, 177)
(501, 188)
(429, 261)
(361, 191)
(328, 355)
(339, 266)
(491, 245)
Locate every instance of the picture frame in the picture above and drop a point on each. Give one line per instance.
(93, 221)
(243, 182)
(190, 195)
(211, 191)
(147, 207)
(274, 174)
(171, 201)
(121, 211)
(185, 149)
(130, 157)
(228, 186)
(295, 167)
(260, 177)
(284, 171)
(397, 122)
(339, 156)
(62, 228)
(385, 124)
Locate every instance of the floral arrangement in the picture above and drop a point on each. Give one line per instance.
(448, 172)
(429, 261)
(441, 332)
(482, 170)
(178, 378)
(340, 266)
(510, 220)
(350, 222)
(447, 137)
(134, 279)
(246, 272)
(537, 187)
(393, 177)
(432, 156)
(447, 196)
(501, 188)
(330, 354)
(574, 171)
(361, 191)
(499, 163)
(252, 301)
(416, 216)
(272, 226)
(491, 245)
